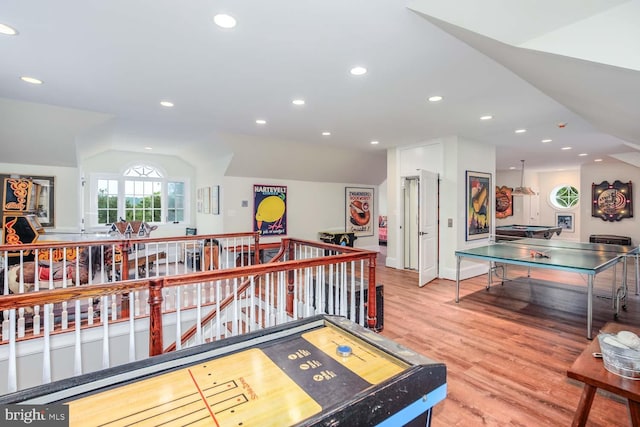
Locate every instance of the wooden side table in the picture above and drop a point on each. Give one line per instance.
(591, 371)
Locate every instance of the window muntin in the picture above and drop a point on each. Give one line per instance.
(107, 201)
(143, 201)
(140, 193)
(175, 201)
(564, 197)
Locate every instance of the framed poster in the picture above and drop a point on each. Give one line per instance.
(504, 202)
(215, 200)
(612, 202)
(270, 209)
(359, 211)
(478, 208)
(199, 195)
(565, 221)
(206, 200)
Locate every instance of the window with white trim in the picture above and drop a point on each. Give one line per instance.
(141, 193)
(564, 197)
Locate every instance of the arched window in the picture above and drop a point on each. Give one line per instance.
(141, 193)
(564, 197)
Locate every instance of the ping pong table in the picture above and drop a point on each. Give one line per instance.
(589, 259)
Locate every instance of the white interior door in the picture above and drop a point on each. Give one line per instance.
(428, 227)
(411, 224)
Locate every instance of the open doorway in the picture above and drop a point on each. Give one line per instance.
(410, 199)
(420, 225)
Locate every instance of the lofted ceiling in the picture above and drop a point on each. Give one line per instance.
(531, 64)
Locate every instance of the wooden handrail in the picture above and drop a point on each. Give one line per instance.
(155, 285)
(223, 305)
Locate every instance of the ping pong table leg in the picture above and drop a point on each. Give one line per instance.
(457, 279)
(637, 274)
(589, 304)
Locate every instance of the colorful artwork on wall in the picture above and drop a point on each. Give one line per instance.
(504, 202)
(612, 202)
(478, 205)
(359, 211)
(270, 209)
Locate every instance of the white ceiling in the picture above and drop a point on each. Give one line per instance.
(531, 64)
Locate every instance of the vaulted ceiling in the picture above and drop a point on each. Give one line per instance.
(565, 71)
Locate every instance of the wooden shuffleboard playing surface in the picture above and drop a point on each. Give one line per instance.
(279, 385)
(282, 377)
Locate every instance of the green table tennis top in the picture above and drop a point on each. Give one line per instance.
(587, 258)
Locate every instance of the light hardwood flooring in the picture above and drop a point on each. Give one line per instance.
(507, 350)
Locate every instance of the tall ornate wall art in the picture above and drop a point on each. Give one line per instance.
(504, 202)
(612, 202)
(478, 205)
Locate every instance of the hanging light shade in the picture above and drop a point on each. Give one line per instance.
(522, 190)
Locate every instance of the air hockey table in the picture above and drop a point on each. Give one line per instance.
(322, 371)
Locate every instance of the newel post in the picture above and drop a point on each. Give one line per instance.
(256, 252)
(290, 279)
(371, 300)
(155, 317)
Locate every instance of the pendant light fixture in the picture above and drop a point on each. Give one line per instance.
(522, 190)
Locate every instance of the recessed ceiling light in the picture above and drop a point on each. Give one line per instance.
(375, 142)
(166, 103)
(583, 154)
(148, 148)
(435, 98)
(566, 148)
(546, 140)
(261, 122)
(358, 71)
(521, 130)
(597, 160)
(31, 80)
(326, 133)
(298, 102)
(487, 117)
(7, 30)
(224, 21)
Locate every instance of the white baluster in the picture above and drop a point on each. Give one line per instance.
(78, 341)
(5, 325)
(185, 296)
(90, 313)
(65, 316)
(36, 320)
(137, 303)
(114, 311)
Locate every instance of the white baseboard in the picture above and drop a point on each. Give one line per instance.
(467, 270)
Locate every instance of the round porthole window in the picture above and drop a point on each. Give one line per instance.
(564, 196)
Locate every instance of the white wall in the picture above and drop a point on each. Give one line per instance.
(382, 198)
(548, 182)
(450, 157)
(464, 156)
(595, 174)
(311, 207)
(582, 179)
(403, 162)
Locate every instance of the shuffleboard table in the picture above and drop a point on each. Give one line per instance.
(322, 371)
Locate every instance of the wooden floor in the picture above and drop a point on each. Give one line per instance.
(507, 350)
